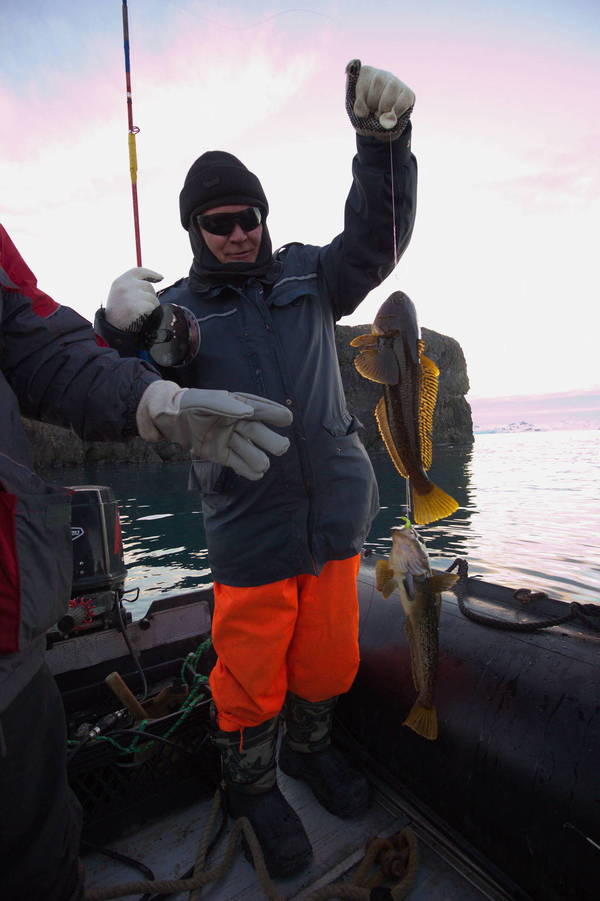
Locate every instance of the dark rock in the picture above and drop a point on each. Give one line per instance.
(55, 446)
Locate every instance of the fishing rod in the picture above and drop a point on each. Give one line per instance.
(133, 130)
(173, 335)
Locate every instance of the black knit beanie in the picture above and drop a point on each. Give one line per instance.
(216, 179)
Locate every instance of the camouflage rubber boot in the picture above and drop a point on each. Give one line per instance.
(251, 790)
(306, 753)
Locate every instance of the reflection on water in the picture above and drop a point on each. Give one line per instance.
(528, 516)
(451, 470)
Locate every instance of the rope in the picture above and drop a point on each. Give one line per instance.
(397, 857)
(588, 614)
(200, 877)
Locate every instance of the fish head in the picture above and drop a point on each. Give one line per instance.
(408, 554)
(397, 316)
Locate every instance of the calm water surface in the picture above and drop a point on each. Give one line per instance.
(529, 515)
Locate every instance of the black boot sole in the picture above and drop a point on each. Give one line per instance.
(277, 827)
(346, 807)
(290, 868)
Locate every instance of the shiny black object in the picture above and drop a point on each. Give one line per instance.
(224, 223)
(171, 335)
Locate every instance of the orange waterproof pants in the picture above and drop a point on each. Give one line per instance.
(298, 634)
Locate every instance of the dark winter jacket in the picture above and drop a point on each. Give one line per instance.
(317, 501)
(52, 369)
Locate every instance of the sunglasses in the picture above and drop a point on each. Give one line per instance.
(224, 223)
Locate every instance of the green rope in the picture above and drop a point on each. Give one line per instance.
(197, 688)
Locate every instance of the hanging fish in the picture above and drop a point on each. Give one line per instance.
(408, 570)
(393, 355)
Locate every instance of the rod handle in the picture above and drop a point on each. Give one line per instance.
(116, 684)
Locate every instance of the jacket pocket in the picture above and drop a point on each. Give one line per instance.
(37, 565)
(207, 477)
(347, 424)
(212, 480)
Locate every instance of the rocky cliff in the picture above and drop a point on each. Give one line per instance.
(55, 446)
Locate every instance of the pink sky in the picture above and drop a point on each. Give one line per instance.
(567, 410)
(503, 257)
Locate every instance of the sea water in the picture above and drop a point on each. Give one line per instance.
(529, 515)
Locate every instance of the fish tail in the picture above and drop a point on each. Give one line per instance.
(423, 721)
(435, 504)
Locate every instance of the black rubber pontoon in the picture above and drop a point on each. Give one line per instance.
(514, 775)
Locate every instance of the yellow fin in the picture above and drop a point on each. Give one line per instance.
(383, 573)
(389, 587)
(364, 341)
(436, 504)
(443, 581)
(428, 390)
(384, 430)
(378, 365)
(423, 721)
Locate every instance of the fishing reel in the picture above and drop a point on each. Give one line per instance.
(171, 335)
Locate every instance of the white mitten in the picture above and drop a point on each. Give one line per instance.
(378, 104)
(132, 298)
(215, 425)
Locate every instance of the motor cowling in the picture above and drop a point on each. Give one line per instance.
(98, 563)
(98, 579)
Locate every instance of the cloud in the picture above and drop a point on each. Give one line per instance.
(559, 181)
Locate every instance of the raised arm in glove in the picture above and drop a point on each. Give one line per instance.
(378, 104)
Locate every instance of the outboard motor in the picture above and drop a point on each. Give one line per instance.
(97, 544)
(98, 565)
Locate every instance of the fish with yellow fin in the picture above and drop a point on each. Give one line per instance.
(408, 570)
(393, 355)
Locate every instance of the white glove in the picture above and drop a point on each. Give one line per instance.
(378, 103)
(215, 425)
(380, 92)
(132, 298)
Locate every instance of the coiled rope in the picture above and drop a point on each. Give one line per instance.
(396, 856)
(588, 614)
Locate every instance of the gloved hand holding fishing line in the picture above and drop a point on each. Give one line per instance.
(213, 425)
(132, 299)
(378, 104)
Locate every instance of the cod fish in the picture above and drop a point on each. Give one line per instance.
(409, 571)
(393, 355)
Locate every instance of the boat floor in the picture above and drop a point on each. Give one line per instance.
(169, 847)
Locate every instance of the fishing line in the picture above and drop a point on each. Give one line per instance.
(393, 210)
(408, 504)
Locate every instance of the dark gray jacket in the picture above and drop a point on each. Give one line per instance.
(52, 369)
(316, 502)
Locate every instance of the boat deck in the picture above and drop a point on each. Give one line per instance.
(169, 847)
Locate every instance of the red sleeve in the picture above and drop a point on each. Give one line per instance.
(15, 275)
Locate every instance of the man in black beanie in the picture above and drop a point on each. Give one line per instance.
(284, 547)
(218, 182)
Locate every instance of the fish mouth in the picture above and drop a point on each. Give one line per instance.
(386, 329)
